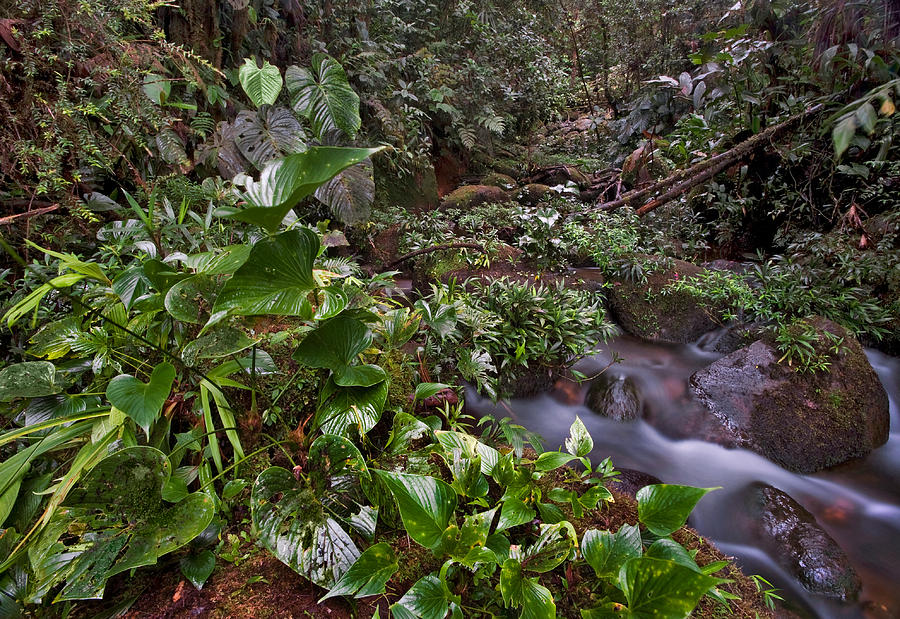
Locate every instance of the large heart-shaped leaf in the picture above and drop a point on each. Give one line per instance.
(368, 575)
(335, 345)
(662, 589)
(350, 194)
(267, 134)
(664, 508)
(30, 379)
(275, 279)
(295, 527)
(341, 408)
(324, 96)
(114, 521)
(426, 504)
(142, 401)
(607, 552)
(284, 182)
(262, 84)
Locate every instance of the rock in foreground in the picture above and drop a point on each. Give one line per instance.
(800, 545)
(804, 422)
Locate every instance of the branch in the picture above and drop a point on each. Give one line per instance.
(683, 180)
(428, 250)
(27, 214)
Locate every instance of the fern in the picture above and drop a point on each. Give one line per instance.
(468, 137)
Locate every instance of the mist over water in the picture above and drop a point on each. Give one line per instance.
(857, 503)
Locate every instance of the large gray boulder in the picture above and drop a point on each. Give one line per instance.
(789, 533)
(804, 422)
(650, 311)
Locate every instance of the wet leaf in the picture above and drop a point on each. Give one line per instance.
(664, 508)
(426, 504)
(142, 401)
(368, 575)
(30, 379)
(607, 552)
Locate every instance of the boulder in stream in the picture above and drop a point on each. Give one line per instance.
(615, 397)
(642, 309)
(793, 537)
(804, 422)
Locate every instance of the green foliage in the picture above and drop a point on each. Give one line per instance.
(323, 95)
(261, 84)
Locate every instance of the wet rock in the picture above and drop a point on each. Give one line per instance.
(792, 535)
(630, 481)
(533, 193)
(503, 181)
(804, 422)
(415, 191)
(615, 397)
(468, 196)
(677, 317)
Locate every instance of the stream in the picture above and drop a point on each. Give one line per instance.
(857, 503)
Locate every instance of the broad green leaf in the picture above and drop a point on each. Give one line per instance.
(673, 551)
(368, 575)
(225, 261)
(191, 300)
(579, 442)
(30, 379)
(550, 460)
(866, 116)
(295, 527)
(513, 513)
(554, 545)
(350, 194)
(261, 84)
(119, 522)
(334, 456)
(426, 504)
(284, 182)
(142, 401)
(275, 279)
(324, 96)
(217, 343)
(335, 345)
(467, 443)
(664, 508)
(406, 430)
(425, 600)
(662, 589)
(131, 284)
(426, 390)
(157, 88)
(344, 407)
(267, 134)
(842, 133)
(198, 567)
(607, 552)
(31, 302)
(519, 591)
(333, 301)
(466, 544)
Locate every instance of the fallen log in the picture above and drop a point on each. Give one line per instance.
(682, 181)
(428, 250)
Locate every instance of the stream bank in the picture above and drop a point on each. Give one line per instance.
(857, 504)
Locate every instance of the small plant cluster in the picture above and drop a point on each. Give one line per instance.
(501, 331)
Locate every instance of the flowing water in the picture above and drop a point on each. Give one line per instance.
(858, 503)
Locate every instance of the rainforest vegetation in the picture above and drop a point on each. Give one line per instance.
(258, 254)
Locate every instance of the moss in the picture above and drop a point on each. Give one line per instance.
(397, 365)
(469, 196)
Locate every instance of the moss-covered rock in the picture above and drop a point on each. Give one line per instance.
(503, 181)
(643, 309)
(804, 422)
(468, 196)
(533, 193)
